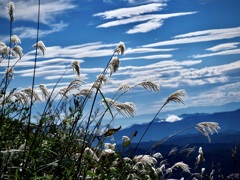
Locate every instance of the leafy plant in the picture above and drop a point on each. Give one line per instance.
(66, 141)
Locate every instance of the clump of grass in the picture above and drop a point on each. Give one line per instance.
(65, 141)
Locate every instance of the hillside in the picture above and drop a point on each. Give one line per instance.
(228, 121)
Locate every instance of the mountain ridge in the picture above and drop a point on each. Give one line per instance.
(228, 121)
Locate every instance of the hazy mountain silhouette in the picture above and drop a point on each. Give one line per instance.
(228, 121)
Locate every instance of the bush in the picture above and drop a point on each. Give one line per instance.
(65, 140)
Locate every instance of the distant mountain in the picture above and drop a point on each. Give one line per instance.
(228, 121)
(204, 109)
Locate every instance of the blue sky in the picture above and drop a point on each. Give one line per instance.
(177, 44)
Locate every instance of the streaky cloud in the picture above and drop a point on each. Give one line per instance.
(130, 11)
(224, 46)
(27, 10)
(146, 27)
(142, 18)
(29, 32)
(200, 36)
(221, 53)
(147, 50)
(158, 56)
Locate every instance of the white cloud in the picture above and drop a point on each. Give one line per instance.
(173, 118)
(215, 96)
(29, 32)
(227, 52)
(158, 56)
(57, 59)
(138, 14)
(96, 49)
(225, 46)
(107, 1)
(135, 2)
(131, 11)
(174, 74)
(146, 50)
(142, 18)
(146, 27)
(27, 10)
(200, 36)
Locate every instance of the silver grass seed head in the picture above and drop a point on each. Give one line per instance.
(85, 92)
(106, 152)
(75, 84)
(157, 155)
(18, 50)
(114, 65)
(64, 91)
(40, 45)
(110, 146)
(188, 150)
(5, 50)
(44, 90)
(31, 93)
(181, 165)
(124, 87)
(21, 97)
(101, 79)
(15, 39)
(200, 157)
(120, 49)
(127, 160)
(145, 159)
(2, 44)
(9, 72)
(112, 103)
(149, 85)
(176, 97)
(76, 67)
(126, 139)
(126, 109)
(173, 151)
(161, 169)
(207, 127)
(10, 9)
(90, 152)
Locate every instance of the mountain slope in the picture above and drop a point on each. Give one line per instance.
(228, 121)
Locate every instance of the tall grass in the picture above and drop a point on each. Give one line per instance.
(65, 140)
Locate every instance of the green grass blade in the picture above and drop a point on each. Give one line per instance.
(108, 107)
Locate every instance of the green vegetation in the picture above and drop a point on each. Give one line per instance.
(65, 140)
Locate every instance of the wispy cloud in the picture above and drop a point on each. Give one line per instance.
(151, 20)
(29, 32)
(27, 10)
(107, 1)
(218, 95)
(135, 2)
(146, 27)
(147, 50)
(131, 11)
(157, 56)
(227, 52)
(57, 59)
(225, 46)
(200, 36)
(138, 14)
(174, 74)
